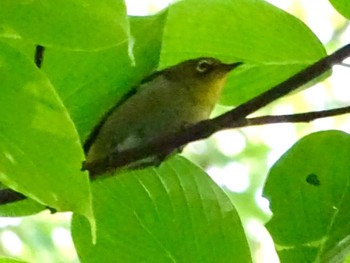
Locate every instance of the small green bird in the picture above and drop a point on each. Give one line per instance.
(164, 103)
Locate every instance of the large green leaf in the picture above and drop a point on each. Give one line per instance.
(40, 153)
(77, 25)
(174, 213)
(309, 191)
(273, 44)
(91, 82)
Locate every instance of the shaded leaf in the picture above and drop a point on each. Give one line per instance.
(309, 191)
(21, 207)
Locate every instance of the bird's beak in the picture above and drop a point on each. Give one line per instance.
(232, 66)
(223, 69)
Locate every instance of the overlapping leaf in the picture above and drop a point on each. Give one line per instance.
(174, 213)
(272, 43)
(40, 152)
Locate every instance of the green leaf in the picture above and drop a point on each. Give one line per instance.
(10, 260)
(91, 82)
(309, 191)
(78, 25)
(174, 213)
(342, 6)
(273, 44)
(21, 208)
(40, 153)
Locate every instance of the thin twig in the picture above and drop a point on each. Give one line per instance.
(345, 65)
(290, 118)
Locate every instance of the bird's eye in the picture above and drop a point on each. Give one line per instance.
(204, 66)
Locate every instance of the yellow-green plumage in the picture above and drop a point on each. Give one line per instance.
(175, 97)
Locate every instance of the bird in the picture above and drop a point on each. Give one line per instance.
(164, 102)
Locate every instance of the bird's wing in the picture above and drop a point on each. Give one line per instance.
(94, 133)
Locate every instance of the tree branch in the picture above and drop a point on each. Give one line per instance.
(204, 129)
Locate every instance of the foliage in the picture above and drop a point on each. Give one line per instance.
(94, 54)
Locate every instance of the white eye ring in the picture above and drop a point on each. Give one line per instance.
(204, 65)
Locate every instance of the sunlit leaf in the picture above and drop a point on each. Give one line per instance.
(174, 213)
(77, 25)
(272, 43)
(40, 152)
(91, 82)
